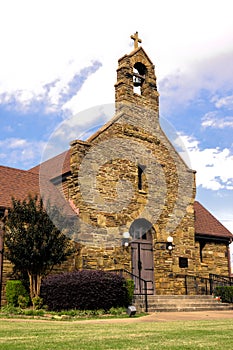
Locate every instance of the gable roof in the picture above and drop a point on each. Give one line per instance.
(207, 225)
(138, 49)
(16, 183)
(20, 184)
(55, 166)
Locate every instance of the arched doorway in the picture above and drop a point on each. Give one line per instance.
(141, 231)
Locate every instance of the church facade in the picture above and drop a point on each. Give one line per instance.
(157, 209)
(134, 196)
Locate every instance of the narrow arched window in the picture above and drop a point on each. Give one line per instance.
(141, 169)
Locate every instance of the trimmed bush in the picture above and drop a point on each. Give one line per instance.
(225, 292)
(130, 290)
(37, 303)
(84, 290)
(15, 290)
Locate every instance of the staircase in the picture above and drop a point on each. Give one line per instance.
(165, 303)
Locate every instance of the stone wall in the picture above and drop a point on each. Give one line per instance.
(113, 201)
(104, 182)
(214, 258)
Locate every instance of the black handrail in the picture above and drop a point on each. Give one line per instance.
(132, 276)
(197, 285)
(218, 280)
(204, 285)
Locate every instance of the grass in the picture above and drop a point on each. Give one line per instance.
(98, 335)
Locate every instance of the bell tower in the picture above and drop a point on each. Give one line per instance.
(136, 80)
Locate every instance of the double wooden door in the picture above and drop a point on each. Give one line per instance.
(143, 264)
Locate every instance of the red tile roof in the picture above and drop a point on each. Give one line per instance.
(16, 183)
(20, 184)
(207, 225)
(55, 166)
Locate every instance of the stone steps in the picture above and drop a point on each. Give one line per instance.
(162, 303)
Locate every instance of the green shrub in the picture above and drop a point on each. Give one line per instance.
(15, 289)
(130, 290)
(37, 303)
(225, 293)
(23, 301)
(116, 311)
(10, 309)
(31, 312)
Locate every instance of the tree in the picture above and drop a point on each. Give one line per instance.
(34, 244)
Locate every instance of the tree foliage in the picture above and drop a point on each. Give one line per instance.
(33, 242)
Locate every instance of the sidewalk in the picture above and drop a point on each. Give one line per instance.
(153, 317)
(186, 316)
(170, 316)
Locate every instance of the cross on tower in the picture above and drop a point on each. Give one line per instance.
(136, 40)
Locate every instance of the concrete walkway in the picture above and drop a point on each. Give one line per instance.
(170, 316)
(186, 316)
(153, 317)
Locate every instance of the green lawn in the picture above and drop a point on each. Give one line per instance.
(56, 335)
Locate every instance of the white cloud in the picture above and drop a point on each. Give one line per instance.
(51, 97)
(213, 165)
(208, 73)
(20, 153)
(50, 41)
(226, 102)
(78, 126)
(211, 120)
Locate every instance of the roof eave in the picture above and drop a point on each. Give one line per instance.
(211, 237)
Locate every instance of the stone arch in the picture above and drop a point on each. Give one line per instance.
(142, 229)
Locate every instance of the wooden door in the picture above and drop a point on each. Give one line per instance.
(143, 265)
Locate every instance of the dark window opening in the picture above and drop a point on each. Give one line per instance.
(183, 262)
(202, 246)
(141, 168)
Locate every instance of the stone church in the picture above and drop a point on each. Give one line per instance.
(131, 194)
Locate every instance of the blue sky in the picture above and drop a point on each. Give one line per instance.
(59, 58)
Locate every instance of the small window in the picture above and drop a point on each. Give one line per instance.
(202, 246)
(141, 168)
(183, 263)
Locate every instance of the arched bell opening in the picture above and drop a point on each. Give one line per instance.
(139, 75)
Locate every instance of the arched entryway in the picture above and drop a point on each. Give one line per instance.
(141, 232)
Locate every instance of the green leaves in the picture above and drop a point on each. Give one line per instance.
(34, 244)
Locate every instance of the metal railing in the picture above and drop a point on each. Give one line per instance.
(197, 285)
(141, 284)
(218, 280)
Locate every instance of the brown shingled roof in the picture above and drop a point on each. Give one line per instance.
(20, 184)
(55, 166)
(16, 183)
(207, 225)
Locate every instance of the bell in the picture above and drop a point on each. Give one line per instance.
(137, 81)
